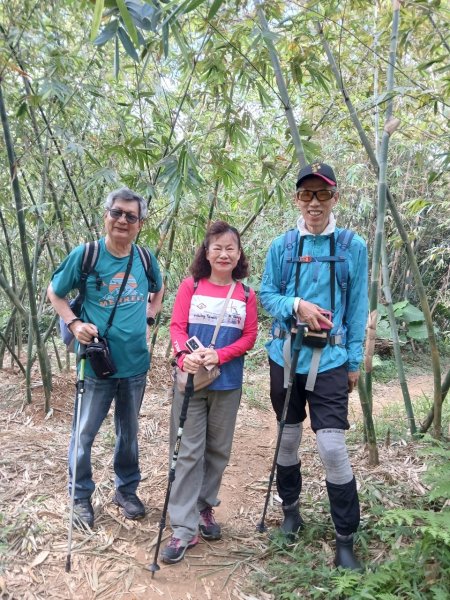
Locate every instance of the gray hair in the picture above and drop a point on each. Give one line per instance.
(128, 195)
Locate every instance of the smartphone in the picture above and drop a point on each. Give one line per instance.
(329, 315)
(193, 343)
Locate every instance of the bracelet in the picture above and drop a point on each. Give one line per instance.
(150, 321)
(72, 321)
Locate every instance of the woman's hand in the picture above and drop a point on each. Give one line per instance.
(192, 362)
(209, 357)
(206, 357)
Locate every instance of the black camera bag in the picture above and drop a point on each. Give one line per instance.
(100, 358)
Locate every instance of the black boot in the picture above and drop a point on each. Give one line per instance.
(344, 553)
(292, 522)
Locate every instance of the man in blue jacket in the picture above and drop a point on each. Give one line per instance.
(314, 268)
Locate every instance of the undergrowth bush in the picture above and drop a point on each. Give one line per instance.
(406, 550)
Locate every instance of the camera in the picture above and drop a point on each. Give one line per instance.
(193, 343)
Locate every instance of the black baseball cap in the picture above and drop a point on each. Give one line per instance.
(317, 169)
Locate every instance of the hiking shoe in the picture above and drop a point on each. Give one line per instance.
(176, 548)
(83, 513)
(209, 529)
(131, 506)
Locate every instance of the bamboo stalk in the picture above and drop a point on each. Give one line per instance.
(420, 288)
(381, 203)
(12, 353)
(166, 274)
(281, 84)
(44, 366)
(253, 218)
(430, 417)
(369, 428)
(15, 300)
(396, 342)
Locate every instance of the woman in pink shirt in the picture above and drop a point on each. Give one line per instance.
(208, 431)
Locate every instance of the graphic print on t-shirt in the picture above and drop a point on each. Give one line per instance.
(206, 310)
(129, 294)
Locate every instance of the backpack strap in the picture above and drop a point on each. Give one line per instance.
(90, 257)
(146, 260)
(290, 241)
(343, 242)
(245, 287)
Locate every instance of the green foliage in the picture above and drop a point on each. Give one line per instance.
(410, 321)
(384, 370)
(188, 113)
(412, 541)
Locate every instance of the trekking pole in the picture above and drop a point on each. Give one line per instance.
(80, 392)
(296, 347)
(188, 393)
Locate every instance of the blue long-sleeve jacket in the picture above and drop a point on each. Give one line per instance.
(314, 286)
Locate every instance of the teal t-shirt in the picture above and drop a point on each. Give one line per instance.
(127, 335)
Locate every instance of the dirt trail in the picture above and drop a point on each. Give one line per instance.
(110, 562)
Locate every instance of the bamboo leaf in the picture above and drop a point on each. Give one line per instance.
(128, 22)
(192, 5)
(214, 8)
(98, 10)
(179, 39)
(116, 58)
(106, 33)
(165, 39)
(127, 44)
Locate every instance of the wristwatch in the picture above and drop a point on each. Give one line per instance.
(150, 321)
(69, 323)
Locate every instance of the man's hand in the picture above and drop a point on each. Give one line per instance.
(310, 314)
(84, 332)
(353, 377)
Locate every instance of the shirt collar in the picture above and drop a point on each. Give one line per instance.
(329, 229)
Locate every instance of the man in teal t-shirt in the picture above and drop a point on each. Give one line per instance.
(127, 340)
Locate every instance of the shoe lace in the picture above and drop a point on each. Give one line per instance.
(174, 543)
(208, 516)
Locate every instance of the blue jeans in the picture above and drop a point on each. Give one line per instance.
(95, 404)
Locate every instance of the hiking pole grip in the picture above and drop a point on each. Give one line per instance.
(188, 393)
(297, 346)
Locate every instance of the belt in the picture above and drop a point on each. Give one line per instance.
(315, 359)
(282, 334)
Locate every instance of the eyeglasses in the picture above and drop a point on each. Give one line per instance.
(116, 213)
(321, 195)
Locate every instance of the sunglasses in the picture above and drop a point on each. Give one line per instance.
(321, 195)
(116, 213)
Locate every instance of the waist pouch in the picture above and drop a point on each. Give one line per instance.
(316, 339)
(202, 379)
(100, 358)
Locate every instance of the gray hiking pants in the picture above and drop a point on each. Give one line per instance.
(204, 453)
